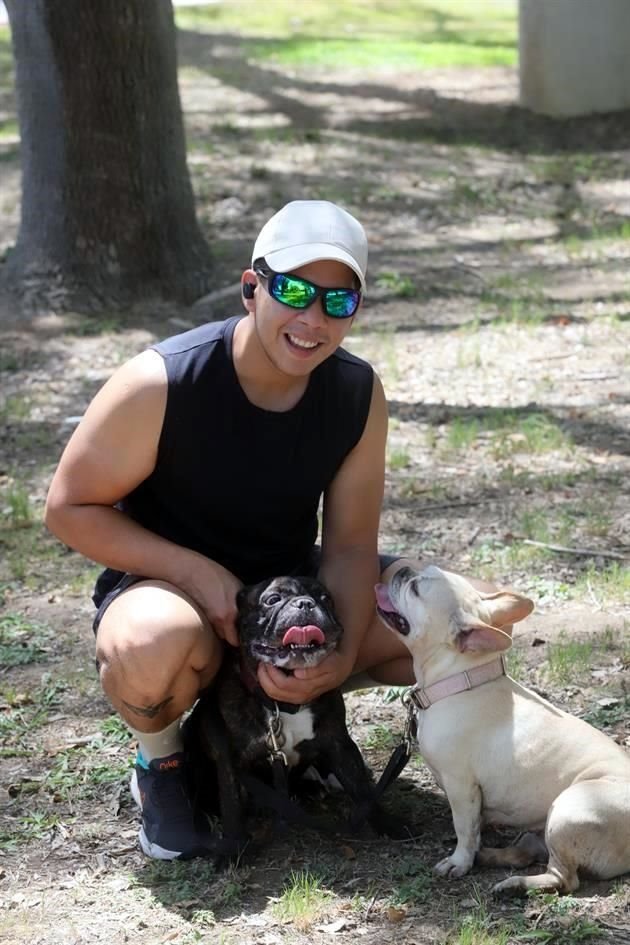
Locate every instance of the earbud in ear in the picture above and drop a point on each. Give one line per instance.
(248, 290)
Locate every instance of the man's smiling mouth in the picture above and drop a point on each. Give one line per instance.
(301, 342)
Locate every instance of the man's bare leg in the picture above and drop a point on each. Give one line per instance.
(156, 651)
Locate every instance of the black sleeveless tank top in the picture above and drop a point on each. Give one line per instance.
(233, 481)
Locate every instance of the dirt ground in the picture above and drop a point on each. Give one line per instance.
(498, 318)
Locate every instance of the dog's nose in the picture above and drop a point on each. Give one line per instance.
(304, 603)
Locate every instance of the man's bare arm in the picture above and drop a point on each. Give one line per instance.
(113, 450)
(349, 566)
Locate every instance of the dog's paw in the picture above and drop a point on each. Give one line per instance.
(452, 867)
(514, 886)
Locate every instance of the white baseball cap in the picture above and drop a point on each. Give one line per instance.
(305, 231)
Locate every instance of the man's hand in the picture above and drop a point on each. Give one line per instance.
(304, 685)
(214, 589)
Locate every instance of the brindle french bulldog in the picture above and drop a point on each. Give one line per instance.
(289, 622)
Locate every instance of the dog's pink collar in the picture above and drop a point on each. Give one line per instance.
(459, 682)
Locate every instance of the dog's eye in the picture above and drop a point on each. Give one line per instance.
(272, 599)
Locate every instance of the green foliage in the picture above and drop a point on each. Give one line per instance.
(380, 736)
(405, 34)
(398, 458)
(22, 641)
(396, 284)
(303, 899)
(611, 582)
(568, 659)
(507, 433)
(414, 882)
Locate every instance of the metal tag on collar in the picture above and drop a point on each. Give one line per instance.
(275, 737)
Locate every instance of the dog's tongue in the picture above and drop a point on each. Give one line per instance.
(383, 599)
(302, 636)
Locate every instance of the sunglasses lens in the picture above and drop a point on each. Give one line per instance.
(292, 291)
(341, 303)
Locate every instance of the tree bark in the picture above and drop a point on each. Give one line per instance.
(107, 207)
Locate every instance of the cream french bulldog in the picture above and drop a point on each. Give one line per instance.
(502, 754)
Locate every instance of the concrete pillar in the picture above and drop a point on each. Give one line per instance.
(574, 56)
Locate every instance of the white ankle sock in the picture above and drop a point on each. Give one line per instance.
(159, 744)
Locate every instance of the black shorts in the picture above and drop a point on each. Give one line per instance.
(128, 580)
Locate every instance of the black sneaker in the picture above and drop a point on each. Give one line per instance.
(170, 829)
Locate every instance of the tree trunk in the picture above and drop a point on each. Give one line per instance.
(107, 207)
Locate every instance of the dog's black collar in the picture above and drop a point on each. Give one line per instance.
(251, 683)
(271, 704)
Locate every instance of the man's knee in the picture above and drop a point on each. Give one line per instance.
(147, 641)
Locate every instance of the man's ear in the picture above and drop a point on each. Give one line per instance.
(507, 607)
(249, 281)
(474, 635)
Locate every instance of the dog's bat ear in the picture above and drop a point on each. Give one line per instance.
(506, 607)
(474, 635)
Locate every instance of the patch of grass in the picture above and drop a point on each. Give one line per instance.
(521, 312)
(366, 52)
(560, 524)
(401, 33)
(398, 458)
(114, 731)
(9, 128)
(567, 660)
(493, 557)
(16, 506)
(479, 928)
(396, 284)
(414, 883)
(462, 433)
(619, 232)
(608, 716)
(387, 353)
(610, 583)
(83, 580)
(534, 523)
(379, 736)
(22, 641)
(14, 409)
(31, 554)
(6, 59)
(533, 433)
(9, 361)
(84, 326)
(558, 925)
(36, 825)
(179, 881)
(28, 712)
(303, 900)
(507, 433)
(515, 663)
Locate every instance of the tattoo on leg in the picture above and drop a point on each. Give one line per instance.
(148, 711)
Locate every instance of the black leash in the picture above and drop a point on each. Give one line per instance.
(402, 753)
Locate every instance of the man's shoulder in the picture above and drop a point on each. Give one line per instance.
(344, 358)
(206, 335)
